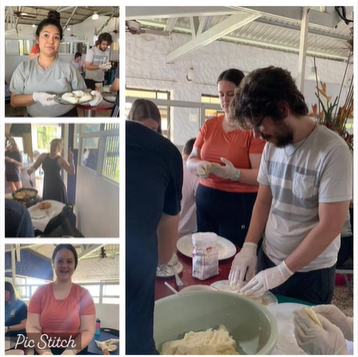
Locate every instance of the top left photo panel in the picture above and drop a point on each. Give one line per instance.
(61, 61)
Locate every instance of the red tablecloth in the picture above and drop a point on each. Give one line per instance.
(161, 290)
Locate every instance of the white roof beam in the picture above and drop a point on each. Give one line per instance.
(230, 24)
(303, 49)
(204, 24)
(194, 26)
(170, 24)
(147, 12)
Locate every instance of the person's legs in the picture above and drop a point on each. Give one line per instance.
(345, 251)
(18, 185)
(12, 186)
(90, 83)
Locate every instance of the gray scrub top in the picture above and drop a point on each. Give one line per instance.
(30, 77)
(96, 57)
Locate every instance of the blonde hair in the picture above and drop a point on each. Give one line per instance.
(58, 142)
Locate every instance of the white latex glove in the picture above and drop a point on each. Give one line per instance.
(45, 99)
(69, 351)
(333, 314)
(243, 264)
(105, 65)
(47, 353)
(97, 98)
(106, 345)
(267, 279)
(229, 171)
(204, 169)
(316, 340)
(6, 328)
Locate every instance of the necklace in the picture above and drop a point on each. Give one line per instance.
(305, 139)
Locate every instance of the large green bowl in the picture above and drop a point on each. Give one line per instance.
(251, 325)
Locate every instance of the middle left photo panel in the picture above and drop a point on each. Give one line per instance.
(62, 180)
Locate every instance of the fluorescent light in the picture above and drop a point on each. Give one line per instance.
(95, 16)
(33, 25)
(68, 28)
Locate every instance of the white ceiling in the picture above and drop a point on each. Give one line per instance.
(276, 27)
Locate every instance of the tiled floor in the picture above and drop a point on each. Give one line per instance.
(343, 299)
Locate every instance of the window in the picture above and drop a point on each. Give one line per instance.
(43, 134)
(111, 159)
(152, 94)
(210, 99)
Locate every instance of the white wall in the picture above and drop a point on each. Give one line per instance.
(97, 211)
(146, 68)
(108, 314)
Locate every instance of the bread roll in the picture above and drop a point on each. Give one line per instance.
(311, 313)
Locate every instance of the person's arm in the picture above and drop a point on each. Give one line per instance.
(167, 236)
(68, 166)
(37, 164)
(195, 162)
(115, 85)
(13, 161)
(249, 176)
(20, 326)
(90, 66)
(21, 100)
(34, 332)
(83, 339)
(331, 220)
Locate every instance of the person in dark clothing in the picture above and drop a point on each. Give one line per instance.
(154, 176)
(13, 162)
(15, 313)
(17, 220)
(52, 163)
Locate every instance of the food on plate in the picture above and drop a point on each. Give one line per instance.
(209, 342)
(233, 288)
(85, 98)
(44, 205)
(24, 194)
(78, 93)
(312, 314)
(70, 97)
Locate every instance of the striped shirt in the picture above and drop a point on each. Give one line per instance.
(320, 171)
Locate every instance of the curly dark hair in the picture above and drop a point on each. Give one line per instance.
(53, 18)
(105, 36)
(260, 93)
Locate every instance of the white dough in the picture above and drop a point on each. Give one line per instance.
(72, 100)
(78, 93)
(67, 95)
(209, 342)
(86, 97)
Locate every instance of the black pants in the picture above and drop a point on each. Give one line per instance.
(227, 214)
(316, 286)
(90, 83)
(345, 251)
(72, 113)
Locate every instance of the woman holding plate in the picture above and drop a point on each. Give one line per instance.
(35, 83)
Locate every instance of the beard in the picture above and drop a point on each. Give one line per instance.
(282, 137)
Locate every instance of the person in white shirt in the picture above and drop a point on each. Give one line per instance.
(77, 62)
(187, 223)
(97, 60)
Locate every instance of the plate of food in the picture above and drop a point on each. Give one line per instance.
(40, 210)
(74, 97)
(226, 249)
(266, 299)
(109, 97)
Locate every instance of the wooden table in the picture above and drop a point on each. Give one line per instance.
(103, 105)
(161, 290)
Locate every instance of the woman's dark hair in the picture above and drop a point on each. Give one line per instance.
(188, 147)
(53, 18)
(232, 75)
(105, 36)
(142, 109)
(261, 92)
(11, 290)
(68, 247)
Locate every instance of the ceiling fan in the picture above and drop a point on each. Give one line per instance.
(24, 15)
(134, 27)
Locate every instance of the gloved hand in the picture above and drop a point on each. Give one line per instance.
(106, 345)
(316, 340)
(267, 279)
(45, 99)
(204, 169)
(6, 328)
(69, 351)
(97, 98)
(243, 264)
(229, 171)
(333, 314)
(105, 65)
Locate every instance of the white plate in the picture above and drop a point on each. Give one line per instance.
(225, 248)
(266, 299)
(37, 213)
(165, 271)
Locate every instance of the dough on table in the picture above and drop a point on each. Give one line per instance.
(209, 342)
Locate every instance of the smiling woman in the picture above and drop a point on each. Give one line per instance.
(35, 82)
